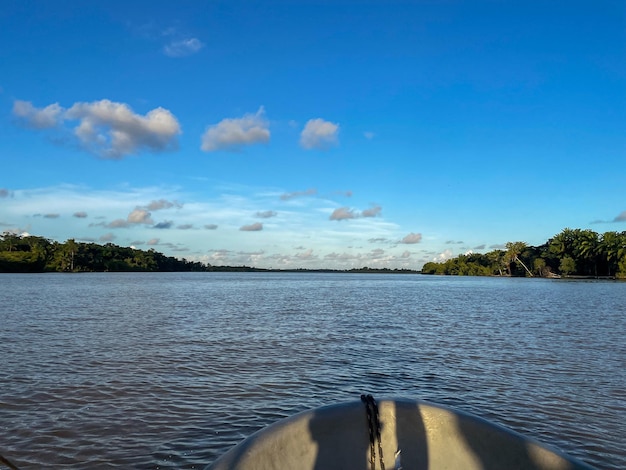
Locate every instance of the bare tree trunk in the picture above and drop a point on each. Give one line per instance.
(520, 262)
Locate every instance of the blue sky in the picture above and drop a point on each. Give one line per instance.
(312, 134)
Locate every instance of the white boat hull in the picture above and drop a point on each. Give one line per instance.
(428, 436)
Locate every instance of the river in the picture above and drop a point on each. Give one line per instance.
(169, 370)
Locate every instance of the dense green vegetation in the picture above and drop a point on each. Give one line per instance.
(38, 254)
(573, 252)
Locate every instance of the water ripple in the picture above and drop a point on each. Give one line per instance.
(169, 370)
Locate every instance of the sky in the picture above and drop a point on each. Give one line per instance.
(312, 134)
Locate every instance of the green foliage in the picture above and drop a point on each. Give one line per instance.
(573, 252)
(37, 254)
(567, 265)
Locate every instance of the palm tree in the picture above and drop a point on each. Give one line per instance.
(585, 246)
(513, 250)
(608, 249)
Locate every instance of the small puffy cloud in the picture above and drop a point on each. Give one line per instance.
(153, 241)
(140, 216)
(369, 135)
(308, 192)
(162, 204)
(164, 225)
(5, 193)
(137, 216)
(210, 226)
(479, 247)
(620, 218)
(183, 47)
(113, 130)
(319, 134)
(372, 212)
(342, 213)
(51, 216)
(185, 227)
(306, 256)
(412, 238)
(35, 118)
(252, 228)
(80, 215)
(266, 214)
(405, 254)
(232, 134)
(443, 256)
(117, 223)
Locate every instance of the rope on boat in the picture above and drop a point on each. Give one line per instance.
(373, 424)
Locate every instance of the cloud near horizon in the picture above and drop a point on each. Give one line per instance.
(621, 217)
(106, 128)
(345, 213)
(162, 204)
(266, 214)
(137, 216)
(319, 134)
(252, 227)
(232, 134)
(412, 238)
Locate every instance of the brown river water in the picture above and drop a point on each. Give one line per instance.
(169, 370)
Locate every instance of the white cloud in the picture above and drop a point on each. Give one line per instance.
(443, 256)
(342, 213)
(137, 216)
(45, 118)
(232, 134)
(319, 134)
(308, 192)
(183, 47)
(106, 128)
(266, 214)
(621, 217)
(412, 238)
(372, 212)
(162, 204)
(113, 130)
(257, 226)
(140, 216)
(369, 135)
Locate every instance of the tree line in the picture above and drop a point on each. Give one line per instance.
(572, 252)
(37, 254)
